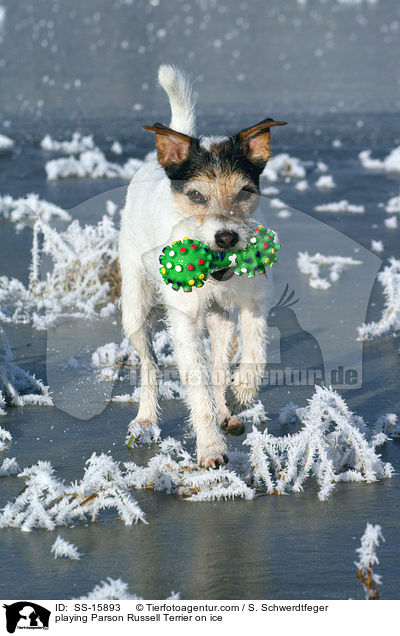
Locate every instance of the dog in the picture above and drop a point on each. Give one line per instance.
(206, 188)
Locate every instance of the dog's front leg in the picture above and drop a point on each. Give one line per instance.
(253, 332)
(189, 353)
(221, 328)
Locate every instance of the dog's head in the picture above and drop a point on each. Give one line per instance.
(215, 180)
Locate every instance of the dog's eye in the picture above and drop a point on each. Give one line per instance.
(243, 195)
(196, 196)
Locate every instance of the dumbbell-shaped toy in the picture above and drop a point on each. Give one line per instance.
(188, 263)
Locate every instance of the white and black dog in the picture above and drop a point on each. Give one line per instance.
(206, 188)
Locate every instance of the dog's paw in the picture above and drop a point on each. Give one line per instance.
(142, 432)
(233, 425)
(212, 456)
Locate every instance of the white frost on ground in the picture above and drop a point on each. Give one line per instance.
(79, 284)
(283, 165)
(340, 206)
(110, 358)
(117, 590)
(18, 387)
(46, 502)
(9, 467)
(116, 148)
(390, 164)
(91, 164)
(325, 182)
(390, 320)
(5, 436)
(367, 558)
(311, 266)
(393, 205)
(391, 223)
(5, 142)
(65, 549)
(377, 246)
(301, 186)
(30, 208)
(270, 191)
(75, 146)
(321, 167)
(331, 446)
(388, 424)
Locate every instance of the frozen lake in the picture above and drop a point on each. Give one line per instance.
(272, 547)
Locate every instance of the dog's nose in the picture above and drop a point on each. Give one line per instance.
(226, 238)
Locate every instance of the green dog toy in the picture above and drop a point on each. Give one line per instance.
(188, 263)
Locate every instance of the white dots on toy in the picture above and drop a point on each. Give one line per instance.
(169, 265)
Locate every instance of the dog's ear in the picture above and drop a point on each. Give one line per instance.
(255, 140)
(172, 146)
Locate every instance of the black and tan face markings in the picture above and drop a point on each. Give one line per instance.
(219, 178)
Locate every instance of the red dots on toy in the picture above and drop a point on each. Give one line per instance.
(201, 261)
(190, 267)
(183, 249)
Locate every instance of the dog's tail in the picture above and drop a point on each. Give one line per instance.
(179, 91)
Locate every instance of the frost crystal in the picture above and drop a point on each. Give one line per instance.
(117, 590)
(390, 164)
(82, 283)
(30, 208)
(367, 559)
(311, 265)
(18, 387)
(340, 206)
(325, 182)
(390, 320)
(331, 446)
(46, 502)
(174, 471)
(9, 467)
(62, 548)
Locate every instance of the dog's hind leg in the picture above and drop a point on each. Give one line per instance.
(247, 377)
(189, 354)
(221, 328)
(137, 315)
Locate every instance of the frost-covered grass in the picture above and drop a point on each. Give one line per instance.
(111, 357)
(340, 207)
(9, 467)
(391, 223)
(18, 387)
(65, 549)
(325, 182)
(30, 208)
(367, 558)
(393, 205)
(311, 264)
(6, 143)
(83, 281)
(377, 246)
(117, 590)
(283, 165)
(390, 320)
(330, 446)
(46, 502)
(75, 146)
(390, 164)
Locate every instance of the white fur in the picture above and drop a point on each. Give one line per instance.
(179, 91)
(150, 220)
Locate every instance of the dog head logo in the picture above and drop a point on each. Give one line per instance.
(26, 615)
